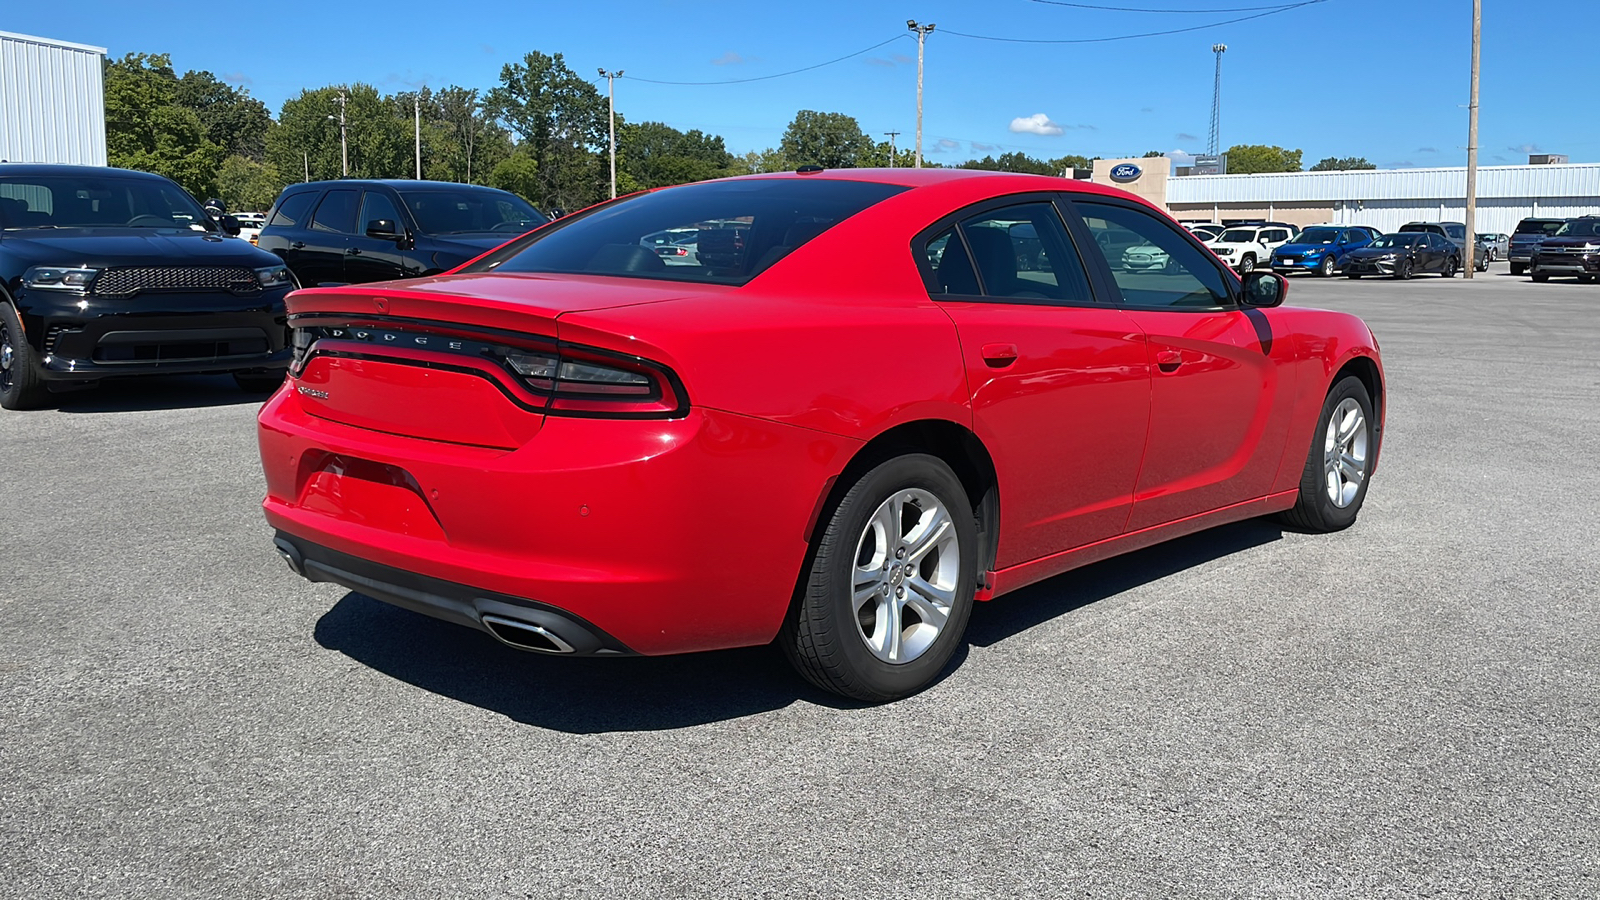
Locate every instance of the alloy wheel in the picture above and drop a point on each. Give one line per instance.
(1344, 453)
(8, 356)
(1327, 267)
(907, 570)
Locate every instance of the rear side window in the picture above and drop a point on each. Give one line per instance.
(741, 228)
(1022, 253)
(293, 209)
(951, 265)
(336, 212)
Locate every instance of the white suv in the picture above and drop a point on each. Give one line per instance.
(1246, 246)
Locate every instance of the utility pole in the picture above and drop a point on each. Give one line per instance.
(1216, 103)
(922, 37)
(305, 157)
(416, 112)
(611, 95)
(892, 135)
(344, 145)
(1472, 144)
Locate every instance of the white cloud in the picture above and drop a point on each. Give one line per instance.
(729, 59)
(1038, 123)
(945, 145)
(1180, 157)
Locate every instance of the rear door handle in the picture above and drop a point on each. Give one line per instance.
(998, 356)
(1168, 360)
(297, 245)
(353, 251)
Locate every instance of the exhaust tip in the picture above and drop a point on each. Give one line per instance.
(525, 635)
(291, 555)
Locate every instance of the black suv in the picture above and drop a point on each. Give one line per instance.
(1530, 233)
(1573, 250)
(107, 272)
(353, 232)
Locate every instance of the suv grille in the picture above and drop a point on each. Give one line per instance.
(129, 280)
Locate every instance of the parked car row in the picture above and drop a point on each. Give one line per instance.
(1326, 250)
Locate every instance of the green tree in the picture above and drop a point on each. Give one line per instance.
(519, 174)
(756, 163)
(904, 158)
(1249, 159)
(307, 135)
(1015, 161)
(830, 140)
(146, 128)
(244, 184)
(469, 143)
(654, 154)
(561, 121)
(1059, 165)
(232, 119)
(1152, 154)
(1340, 164)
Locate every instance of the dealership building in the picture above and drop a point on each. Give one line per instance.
(1382, 198)
(52, 101)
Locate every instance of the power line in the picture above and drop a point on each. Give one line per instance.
(1129, 37)
(1141, 9)
(780, 74)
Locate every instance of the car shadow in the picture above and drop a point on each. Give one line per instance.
(591, 696)
(157, 392)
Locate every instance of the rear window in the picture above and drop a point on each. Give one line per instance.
(293, 208)
(740, 227)
(1539, 226)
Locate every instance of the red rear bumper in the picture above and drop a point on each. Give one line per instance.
(668, 535)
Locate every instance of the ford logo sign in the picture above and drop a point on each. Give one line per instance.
(1126, 172)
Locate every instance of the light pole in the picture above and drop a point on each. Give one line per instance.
(1472, 144)
(892, 135)
(922, 37)
(611, 99)
(416, 113)
(344, 145)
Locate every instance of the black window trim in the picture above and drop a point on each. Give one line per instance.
(950, 221)
(1102, 267)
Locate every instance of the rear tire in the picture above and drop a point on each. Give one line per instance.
(20, 385)
(1334, 482)
(858, 582)
(1450, 266)
(258, 382)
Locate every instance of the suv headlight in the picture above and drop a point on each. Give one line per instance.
(52, 278)
(274, 276)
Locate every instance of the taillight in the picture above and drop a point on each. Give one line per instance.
(563, 379)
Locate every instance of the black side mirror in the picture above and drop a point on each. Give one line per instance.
(229, 224)
(383, 228)
(1263, 289)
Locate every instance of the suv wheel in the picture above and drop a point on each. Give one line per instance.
(20, 386)
(1518, 268)
(1247, 264)
(1327, 267)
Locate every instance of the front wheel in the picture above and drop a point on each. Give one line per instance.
(1334, 482)
(1403, 270)
(1327, 267)
(20, 385)
(1247, 265)
(886, 600)
(1540, 277)
(1518, 268)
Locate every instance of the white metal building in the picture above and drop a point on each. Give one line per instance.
(52, 101)
(1389, 198)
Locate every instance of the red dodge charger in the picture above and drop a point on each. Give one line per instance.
(856, 403)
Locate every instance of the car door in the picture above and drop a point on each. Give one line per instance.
(322, 247)
(1221, 379)
(1436, 252)
(370, 258)
(1060, 384)
(284, 233)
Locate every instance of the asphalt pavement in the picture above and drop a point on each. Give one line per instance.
(1404, 709)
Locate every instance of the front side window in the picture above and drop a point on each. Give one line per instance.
(1190, 279)
(1022, 252)
(741, 227)
(336, 212)
(1238, 236)
(376, 205)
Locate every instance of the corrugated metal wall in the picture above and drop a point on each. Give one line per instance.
(52, 101)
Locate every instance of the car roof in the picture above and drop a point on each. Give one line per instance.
(410, 183)
(26, 169)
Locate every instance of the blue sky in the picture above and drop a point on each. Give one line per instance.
(1376, 78)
